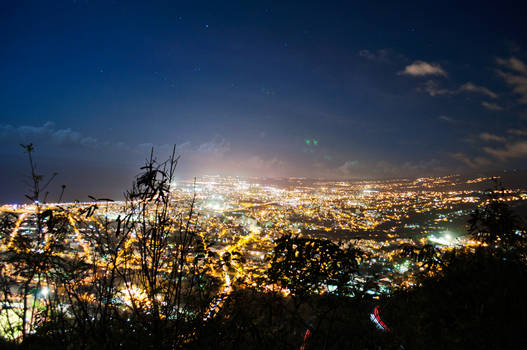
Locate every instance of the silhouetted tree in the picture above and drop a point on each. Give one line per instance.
(496, 223)
(141, 279)
(171, 259)
(476, 302)
(428, 258)
(308, 265)
(30, 256)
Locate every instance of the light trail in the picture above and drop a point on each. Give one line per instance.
(306, 336)
(218, 303)
(376, 319)
(14, 232)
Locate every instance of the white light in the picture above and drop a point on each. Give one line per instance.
(447, 239)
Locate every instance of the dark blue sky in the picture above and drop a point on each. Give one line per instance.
(385, 88)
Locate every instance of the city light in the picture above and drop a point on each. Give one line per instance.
(239, 221)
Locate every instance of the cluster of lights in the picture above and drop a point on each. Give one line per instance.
(243, 217)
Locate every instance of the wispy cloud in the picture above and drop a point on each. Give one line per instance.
(372, 55)
(516, 149)
(485, 136)
(502, 148)
(66, 138)
(470, 87)
(217, 146)
(432, 88)
(513, 63)
(516, 79)
(514, 145)
(446, 119)
(519, 132)
(47, 133)
(475, 163)
(422, 68)
(382, 56)
(491, 106)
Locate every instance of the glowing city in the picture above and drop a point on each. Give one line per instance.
(263, 175)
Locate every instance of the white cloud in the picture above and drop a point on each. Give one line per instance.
(477, 89)
(485, 136)
(518, 132)
(49, 135)
(217, 146)
(518, 79)
(46, 133)
(475, 163)
(382, 56)
(513, 63)
(511, 150)
(491, 106)
(446, 119)
(368, 54)
(518, 83)
(506, 147)
(422, 68)
(432, 88)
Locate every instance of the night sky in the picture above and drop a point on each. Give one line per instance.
(341, 90)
